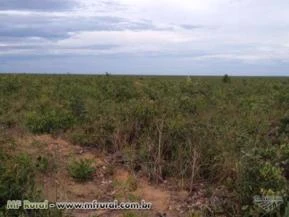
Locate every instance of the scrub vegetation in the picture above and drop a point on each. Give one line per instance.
(229, 133)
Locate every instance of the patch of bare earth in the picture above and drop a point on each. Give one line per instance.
(110, 181)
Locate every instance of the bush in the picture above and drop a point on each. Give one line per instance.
(45, 164)
(81, 170)
(80, 137)
(9, 85)
(226, 78)
(78, 108)
(261, 175)
(49, 122)
(16, 178)
(187, 105)
(17, 182)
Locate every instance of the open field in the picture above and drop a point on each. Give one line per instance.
(193, 146)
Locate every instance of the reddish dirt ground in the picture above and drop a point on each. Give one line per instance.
(109, 182)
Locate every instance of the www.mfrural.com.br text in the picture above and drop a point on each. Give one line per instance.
(92, 205)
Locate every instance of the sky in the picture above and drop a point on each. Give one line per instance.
(175, 37)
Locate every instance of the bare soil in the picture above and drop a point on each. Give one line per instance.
(110, 181)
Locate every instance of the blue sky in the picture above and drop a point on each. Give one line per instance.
(197, 37)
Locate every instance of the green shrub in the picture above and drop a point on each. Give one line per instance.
(16, 178)
(80, 137)
(42, 164)
(260, 175)
(17, 182)
(45, 164)
(81, 170)
(187, 105)
(226, 78)
(78, 108)
(49, 121)
(9, 84)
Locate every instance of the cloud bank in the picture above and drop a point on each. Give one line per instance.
(241, 37)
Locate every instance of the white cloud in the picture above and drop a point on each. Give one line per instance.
(127, 37)
(251, 31)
